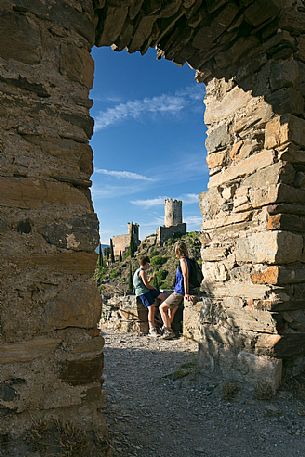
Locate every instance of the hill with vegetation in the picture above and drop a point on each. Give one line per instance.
(115, 277)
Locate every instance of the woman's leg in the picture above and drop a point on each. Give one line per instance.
(172, 312)
(164, 308)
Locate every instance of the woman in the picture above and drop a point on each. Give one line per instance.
(181, 290)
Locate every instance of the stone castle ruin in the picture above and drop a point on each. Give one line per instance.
(173, 222)
(251, 56)
(122, 242)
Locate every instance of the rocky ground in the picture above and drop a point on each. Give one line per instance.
(159, 405)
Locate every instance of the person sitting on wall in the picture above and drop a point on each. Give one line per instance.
(181, 290)
(147, 293)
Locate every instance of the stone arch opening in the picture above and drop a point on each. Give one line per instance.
(250, 61)
(251, 56)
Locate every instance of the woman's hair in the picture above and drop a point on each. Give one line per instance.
(181, 249)
(144, 260)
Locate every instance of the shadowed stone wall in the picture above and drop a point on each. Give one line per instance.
(253, 325)
(51, 354)
(250, 53)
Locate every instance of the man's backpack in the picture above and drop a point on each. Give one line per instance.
(195, 274)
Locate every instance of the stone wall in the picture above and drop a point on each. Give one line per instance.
(122, 242)
(253, 243)
(51, 353)
(124, 313)
(165, 233)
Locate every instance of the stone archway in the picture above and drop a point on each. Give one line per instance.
(251, 56)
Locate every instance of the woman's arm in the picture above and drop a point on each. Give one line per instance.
(185, 273)
(145, 279)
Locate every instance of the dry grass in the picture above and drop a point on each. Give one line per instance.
(264, 391)
(186, 369)
(63, 439)
(230, 390)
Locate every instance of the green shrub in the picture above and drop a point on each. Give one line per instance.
(161, 275)
(114, 273)
(158, 260)
(165, 285)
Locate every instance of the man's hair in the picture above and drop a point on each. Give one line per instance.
(144, 260)
(181, 249)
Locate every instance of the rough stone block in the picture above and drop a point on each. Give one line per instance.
(269, 247)
(226, 220)
(243, 168)
(287, 100)
(213, 271)
(142, 32)
(282, 129)
(283, 74)
(113, 24)
(262, 369)
(77, 64)
(217, 138)
(286, 222)
(226, 107)
(216, 159)
(238, 288)
(26, 351)
(82, 371)
(211, 253)
(32, 193)
(77, 234)
(301, 47)
(19, 38)
(73, 262)
(76, 305)
(191, 321)
(260, 11)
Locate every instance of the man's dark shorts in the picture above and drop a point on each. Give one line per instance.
(149, 297)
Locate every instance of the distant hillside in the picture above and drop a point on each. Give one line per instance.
(103, 247)
(115, 278)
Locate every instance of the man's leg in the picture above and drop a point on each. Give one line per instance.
(151, 316)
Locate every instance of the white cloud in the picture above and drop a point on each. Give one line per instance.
(154, 223)
(109, 191)
(148, 203)
(122, 174)
(187, 199)
(162, 104)
(193, 220)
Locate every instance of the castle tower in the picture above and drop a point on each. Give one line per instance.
(172, 212)
(134, 227)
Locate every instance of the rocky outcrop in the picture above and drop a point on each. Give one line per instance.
(124, 313)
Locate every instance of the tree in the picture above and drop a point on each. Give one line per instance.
(100, 258)
(120, 256)
(107, 252)
(111, 251)
(156, 281)
(130, 279)
(132, 242)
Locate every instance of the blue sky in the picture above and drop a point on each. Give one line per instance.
(148, 141)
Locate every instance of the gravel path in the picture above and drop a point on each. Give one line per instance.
(154, 410)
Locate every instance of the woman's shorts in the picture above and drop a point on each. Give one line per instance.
(174, 300)
(149, 298)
